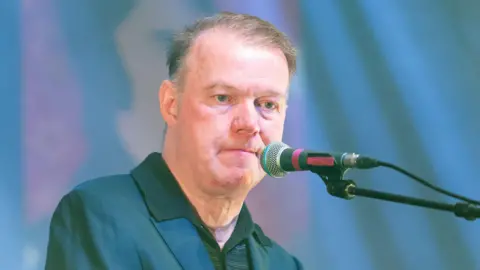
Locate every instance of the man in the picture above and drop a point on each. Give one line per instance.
(184, 208)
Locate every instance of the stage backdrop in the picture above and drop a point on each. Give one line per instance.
(396, 80)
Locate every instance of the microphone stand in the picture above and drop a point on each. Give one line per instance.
(347, 189)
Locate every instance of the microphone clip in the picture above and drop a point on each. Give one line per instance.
(341, 189)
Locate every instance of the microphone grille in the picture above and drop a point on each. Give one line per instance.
(270, 159)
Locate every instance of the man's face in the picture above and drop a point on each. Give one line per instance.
(233, 104)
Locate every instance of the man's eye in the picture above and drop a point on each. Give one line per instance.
(221, 98)
(268, 105)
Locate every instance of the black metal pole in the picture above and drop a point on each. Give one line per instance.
(347, 189)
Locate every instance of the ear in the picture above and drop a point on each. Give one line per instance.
(168, 100)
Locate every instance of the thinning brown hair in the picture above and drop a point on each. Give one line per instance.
(251, 28)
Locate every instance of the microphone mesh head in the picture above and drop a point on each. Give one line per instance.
(270, 159)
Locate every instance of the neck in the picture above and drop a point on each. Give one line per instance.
(214, 211)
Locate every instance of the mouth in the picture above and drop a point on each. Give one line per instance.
(248, 151)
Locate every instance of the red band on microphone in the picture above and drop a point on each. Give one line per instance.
(295, 159)
(321, 161)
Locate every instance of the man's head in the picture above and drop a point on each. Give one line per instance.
(225, 101)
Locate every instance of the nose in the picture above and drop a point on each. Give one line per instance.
(245, 119)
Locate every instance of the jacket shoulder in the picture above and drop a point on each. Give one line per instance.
(116, 194)
(92, 226)
(112, 185)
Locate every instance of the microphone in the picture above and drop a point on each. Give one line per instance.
(277, 159)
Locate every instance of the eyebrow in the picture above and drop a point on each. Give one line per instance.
(221, 84)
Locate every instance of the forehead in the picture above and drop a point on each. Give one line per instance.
(220, 56)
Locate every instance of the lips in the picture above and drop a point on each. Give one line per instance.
(243, 150)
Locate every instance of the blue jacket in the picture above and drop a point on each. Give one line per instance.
(118, 222)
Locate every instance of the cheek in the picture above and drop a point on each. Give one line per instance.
(272, 131)
(206, 127)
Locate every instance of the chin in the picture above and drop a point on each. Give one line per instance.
(235, 179)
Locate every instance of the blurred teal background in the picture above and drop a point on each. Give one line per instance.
(398, 80)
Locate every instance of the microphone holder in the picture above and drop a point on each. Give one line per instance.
(347, 189)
